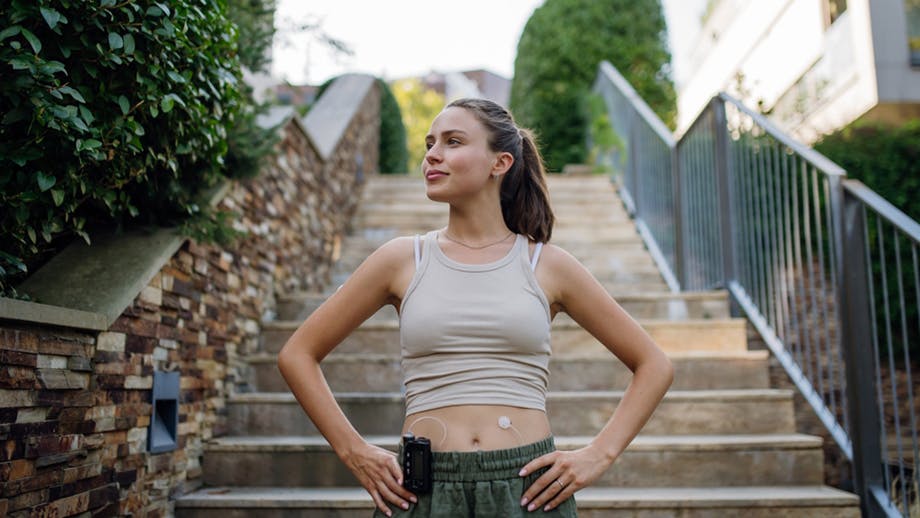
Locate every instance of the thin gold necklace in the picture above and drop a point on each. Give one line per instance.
(445, 234)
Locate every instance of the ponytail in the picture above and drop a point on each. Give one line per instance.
(524, 195)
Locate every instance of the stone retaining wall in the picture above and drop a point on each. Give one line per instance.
(75, 404)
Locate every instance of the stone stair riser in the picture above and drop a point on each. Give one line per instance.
(298, 308)
(595, 511)
(413, 224)
(601, 263)
(673, 337)
(568, 416)
(721, 512)
(357, 373)
(670, 468)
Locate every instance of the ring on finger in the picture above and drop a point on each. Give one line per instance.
(561, 485)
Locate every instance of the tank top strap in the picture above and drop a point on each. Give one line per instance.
(536, 255)
(431, 241)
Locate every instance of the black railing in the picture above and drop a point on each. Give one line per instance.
(824, 268)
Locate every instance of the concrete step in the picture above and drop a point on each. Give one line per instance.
(557, 189)
(607, 274)
(570, 412)
(649, 461)
(382, 372)
(409, 223)
(415, 179)
(593, 214)
(682, 336)
(593, 502)
(665, 305)
(611, 268)
(363, 241)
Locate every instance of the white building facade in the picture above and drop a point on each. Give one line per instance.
(813, 65)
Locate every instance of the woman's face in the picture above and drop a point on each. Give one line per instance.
(458, 162)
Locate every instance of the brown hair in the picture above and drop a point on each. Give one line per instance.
(524, 196)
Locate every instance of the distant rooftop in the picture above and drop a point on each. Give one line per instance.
(470, 83)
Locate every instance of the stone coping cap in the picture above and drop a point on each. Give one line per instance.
(14, 309)
(328, 119)
(88, 287)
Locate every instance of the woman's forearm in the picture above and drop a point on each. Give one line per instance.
(305, 378)
(648, 386)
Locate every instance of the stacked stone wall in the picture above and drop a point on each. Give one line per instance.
(75, 405)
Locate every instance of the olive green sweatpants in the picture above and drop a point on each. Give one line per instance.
(482, 484)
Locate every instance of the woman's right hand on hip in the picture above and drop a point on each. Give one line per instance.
(379, 472)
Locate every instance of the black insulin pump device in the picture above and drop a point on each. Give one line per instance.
(416, 463)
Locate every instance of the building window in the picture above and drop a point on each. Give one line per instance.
(912, 10)
(833, 9)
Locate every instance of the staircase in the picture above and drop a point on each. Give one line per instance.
(721, 444)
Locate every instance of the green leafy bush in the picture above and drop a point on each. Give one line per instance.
(887, 159)
(884, 157)
(558, 55)
(393, 152)
(113, 113)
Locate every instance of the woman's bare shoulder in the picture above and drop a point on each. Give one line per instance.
(557, 259)
(393, 253)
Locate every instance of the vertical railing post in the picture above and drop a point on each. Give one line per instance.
(724, 178)
(633, 147)
(680, 256)
(856, 340)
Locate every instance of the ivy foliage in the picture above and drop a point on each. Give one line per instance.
(114, 114)
(557, 60)
(393, 152)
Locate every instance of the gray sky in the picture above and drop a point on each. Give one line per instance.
(401, 38)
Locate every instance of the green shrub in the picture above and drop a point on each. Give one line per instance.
(557, 61)
(393, 152)
(114, 114)
(887, 159)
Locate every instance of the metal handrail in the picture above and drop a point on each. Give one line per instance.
(640, 119)
(884, 208)
(817, 159)
(642, 108)
(817, 262)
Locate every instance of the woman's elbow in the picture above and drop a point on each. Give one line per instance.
(290, 354)
(660, 368)
(666, 369)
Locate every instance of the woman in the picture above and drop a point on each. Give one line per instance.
(475, 300)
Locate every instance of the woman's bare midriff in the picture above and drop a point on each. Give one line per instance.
(476, 427)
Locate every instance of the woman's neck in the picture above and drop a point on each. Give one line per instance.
(476, 225)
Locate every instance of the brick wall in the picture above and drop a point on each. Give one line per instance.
(75, 405)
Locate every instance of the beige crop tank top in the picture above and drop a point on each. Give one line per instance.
(474, 333)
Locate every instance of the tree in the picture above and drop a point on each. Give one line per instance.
(557, 60)
(419, 106)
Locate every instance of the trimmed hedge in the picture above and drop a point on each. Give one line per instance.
(114, 114)
(394, 156)
(557, 61)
